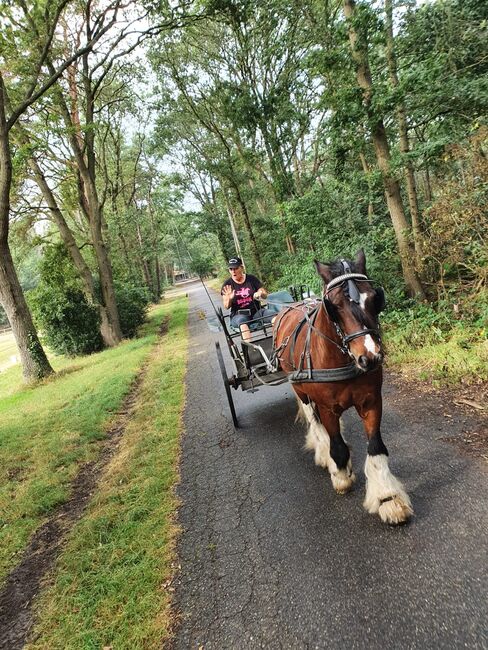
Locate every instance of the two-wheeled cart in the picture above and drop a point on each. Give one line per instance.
(254, 364)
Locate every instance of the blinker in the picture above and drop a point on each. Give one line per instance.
(352, 288)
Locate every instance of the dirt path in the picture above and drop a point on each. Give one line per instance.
(272, 558)
(24, 581)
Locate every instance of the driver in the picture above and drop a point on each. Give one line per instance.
(240, 294)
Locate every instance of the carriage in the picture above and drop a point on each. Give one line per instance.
(254, 363)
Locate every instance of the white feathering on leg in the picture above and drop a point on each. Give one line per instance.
(342, 479)
(318, 441)
(382, 484)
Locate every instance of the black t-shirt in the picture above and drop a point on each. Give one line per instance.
(243, 298)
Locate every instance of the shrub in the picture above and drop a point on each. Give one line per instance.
(69, 323)
(132, 303)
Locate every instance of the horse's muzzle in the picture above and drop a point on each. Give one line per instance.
(367, 363)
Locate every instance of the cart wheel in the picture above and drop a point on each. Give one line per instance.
(226, 383)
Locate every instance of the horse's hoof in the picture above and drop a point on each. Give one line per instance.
(395, 511)
(342, 482)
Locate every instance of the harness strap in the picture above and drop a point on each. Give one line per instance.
(305, 373)
(356, 335)
(323, 375)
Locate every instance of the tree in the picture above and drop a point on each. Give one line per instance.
(359, 50)
(22, 87)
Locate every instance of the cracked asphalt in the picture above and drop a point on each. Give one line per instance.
(271, 557)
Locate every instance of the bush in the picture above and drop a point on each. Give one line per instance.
(132, 303)
(69, 323)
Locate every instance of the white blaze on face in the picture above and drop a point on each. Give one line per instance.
(362, 300)
(369, 344)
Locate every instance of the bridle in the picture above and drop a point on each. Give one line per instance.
(339, 281)
(305, 372)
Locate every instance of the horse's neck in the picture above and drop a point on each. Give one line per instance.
(324, 353)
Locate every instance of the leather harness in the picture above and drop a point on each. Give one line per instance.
(305, 373)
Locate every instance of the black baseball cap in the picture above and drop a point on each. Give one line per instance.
(235, 262)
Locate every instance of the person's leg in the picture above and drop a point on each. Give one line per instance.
(245, 332)
(239, 321)
(267, 315)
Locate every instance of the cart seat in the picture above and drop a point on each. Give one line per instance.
(277, 300)
(274, 303)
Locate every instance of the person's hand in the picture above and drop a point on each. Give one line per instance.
(228, 292)
(257, 295)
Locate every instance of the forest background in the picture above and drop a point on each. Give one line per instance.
(143, 138)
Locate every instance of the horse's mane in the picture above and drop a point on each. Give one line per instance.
(365, 318)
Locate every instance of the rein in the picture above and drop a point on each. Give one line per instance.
(305, 373)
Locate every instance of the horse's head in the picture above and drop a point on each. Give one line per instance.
(353, 305)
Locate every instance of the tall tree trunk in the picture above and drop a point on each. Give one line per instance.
(145, 264)
(232, 223)
(112, 333)
(382, 150)
(97, 225)
(366, 171)
(403, 133)
(73, 250)
(35, 364)
(90, 204)
(158, 278)
(247, 225)
(428, 186)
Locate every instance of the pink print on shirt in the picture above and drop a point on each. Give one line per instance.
(243, 297)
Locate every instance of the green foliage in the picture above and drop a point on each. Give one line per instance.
(437, 344)
(69, 323)
(132, 303)
(456, 230)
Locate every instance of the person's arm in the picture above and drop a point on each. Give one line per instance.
(259, 292)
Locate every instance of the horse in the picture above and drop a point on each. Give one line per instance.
(333, 353)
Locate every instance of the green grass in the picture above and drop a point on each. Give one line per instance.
(214, 283)
(48, 429)
(108, 586)
(461, 357)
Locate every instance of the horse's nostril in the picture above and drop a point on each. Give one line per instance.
(363, 361)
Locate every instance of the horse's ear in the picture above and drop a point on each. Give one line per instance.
(361, 261)
(324, 271)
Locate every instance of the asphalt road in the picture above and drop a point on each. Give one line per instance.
(271, 557)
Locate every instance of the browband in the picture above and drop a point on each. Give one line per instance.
(342, 278)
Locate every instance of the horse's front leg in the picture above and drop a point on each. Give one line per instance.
(385, 494)
(332, 449)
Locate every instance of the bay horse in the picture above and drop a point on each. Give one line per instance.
(332, 352)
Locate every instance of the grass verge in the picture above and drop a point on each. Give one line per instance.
(108, 586)
(48, 429)
(8, 350)
(461, 357)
